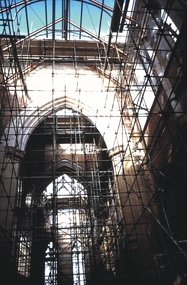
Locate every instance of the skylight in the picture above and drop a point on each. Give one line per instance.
(73, 19)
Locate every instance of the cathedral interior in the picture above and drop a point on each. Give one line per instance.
(93, 142)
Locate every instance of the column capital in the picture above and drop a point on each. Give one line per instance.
(14, 153)
(115, 151)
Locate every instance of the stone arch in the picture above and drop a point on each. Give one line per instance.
(31, 119)
(62, 164)
(27, 120)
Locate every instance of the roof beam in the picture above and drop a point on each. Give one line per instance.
(73, 24)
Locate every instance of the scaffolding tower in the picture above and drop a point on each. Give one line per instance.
(93, 145)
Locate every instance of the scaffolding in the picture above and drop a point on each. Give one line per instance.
(93, 145)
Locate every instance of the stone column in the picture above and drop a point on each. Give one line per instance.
(11, 160)
(120, 167)
(133, 193)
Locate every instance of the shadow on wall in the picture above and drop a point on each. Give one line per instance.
(8, 274)
(174, 186)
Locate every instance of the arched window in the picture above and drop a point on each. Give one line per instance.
(69, 226)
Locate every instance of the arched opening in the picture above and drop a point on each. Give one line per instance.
(68, 191)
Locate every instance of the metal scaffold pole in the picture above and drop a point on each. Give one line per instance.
(93, 142)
